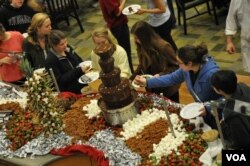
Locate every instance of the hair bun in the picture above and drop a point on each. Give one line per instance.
(201, 51)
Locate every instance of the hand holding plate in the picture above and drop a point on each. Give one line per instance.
(203, 112)
(140, 11)
(192, 110)
(131, 9)
(140, 80)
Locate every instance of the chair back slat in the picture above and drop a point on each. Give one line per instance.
(59, 6)
(62, 9)
(183, 5)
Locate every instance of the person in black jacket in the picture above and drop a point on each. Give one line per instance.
(235, 125)
(224, 83)
(16, 15)
(65, 63)
(36, 45)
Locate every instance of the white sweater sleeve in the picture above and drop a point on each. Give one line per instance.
(234, 17)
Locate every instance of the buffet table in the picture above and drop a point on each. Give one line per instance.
(86, 128)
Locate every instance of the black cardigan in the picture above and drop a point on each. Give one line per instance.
(35, 54)
(66, 71)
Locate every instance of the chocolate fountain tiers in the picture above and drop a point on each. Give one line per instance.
(117, 100)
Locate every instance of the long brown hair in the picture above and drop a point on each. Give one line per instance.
(150, 41)
(2, 31)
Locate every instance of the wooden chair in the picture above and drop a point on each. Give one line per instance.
(61, 10)
(183, 5)
(76, 4)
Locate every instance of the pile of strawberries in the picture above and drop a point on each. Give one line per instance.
(20, 128)
(188, 152)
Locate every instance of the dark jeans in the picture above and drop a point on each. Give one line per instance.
(121, 33)
(164, 31)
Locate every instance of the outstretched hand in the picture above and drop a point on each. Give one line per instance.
(140, 80)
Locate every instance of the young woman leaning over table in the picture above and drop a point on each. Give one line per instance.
(101, 36)
(65, 63)
(36, 45)
(196, 69)
(156, 57)
(10, 47)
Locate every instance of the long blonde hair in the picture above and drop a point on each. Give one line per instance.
(2, 31)
(35, 5)
(36, 22)
(105, 33)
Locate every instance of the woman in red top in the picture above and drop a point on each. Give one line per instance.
(10, 43)
(118, 24)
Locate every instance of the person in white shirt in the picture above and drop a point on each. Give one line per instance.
(238, 16)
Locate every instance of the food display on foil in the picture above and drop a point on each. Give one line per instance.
(43, 125)
(8, 92)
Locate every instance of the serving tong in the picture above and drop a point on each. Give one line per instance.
(165, 107)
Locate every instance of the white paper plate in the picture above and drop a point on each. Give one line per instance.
(139, 86)
(92, 75)
(40, 70)
(131, 9)
(191, 110)
(86, 63)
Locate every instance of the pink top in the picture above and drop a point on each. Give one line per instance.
(11, 72)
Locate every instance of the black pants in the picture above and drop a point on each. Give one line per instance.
(122, 35)
(164, 31)
(171, 8)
